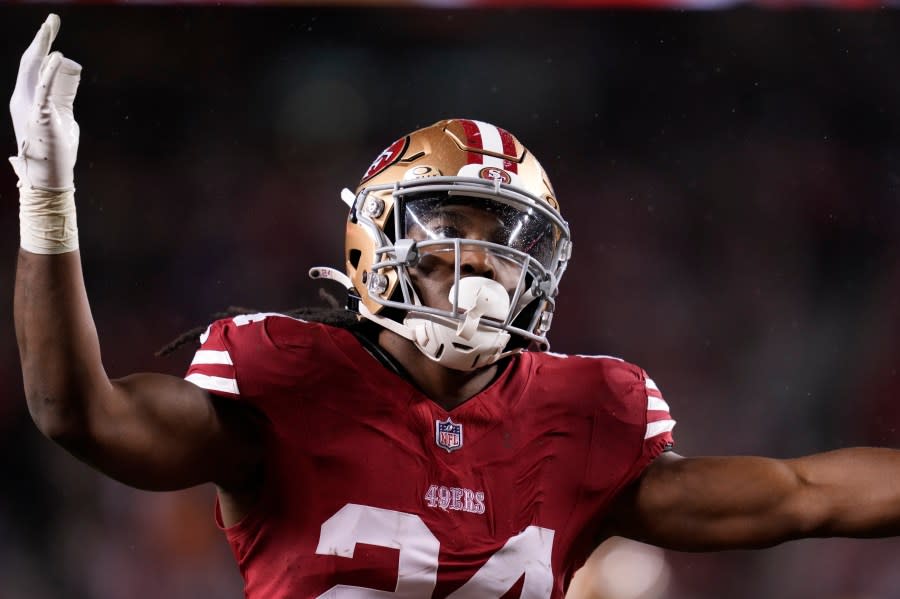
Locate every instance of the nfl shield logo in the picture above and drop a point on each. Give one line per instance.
(448, 434)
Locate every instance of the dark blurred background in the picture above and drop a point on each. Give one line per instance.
(731, 179)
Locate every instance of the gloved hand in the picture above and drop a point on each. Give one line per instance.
(41, 108)
(47, 139)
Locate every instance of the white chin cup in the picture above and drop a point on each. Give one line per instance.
(466, 344)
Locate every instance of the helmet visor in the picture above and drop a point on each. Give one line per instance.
(520, 228)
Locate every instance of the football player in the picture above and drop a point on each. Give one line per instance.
(433, 447)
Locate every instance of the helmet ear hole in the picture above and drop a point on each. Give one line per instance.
(355, 256)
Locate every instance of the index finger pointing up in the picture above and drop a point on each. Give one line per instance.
(40, 45)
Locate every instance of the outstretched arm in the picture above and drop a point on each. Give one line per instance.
(712, 503)
(147, 430)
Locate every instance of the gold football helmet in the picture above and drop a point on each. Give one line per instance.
(395, 219)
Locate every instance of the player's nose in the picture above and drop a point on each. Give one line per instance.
(476, 262)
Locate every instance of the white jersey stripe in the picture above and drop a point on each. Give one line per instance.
(656, 403)
(213, 383)
(245, 319)
(490, 141)
(599, 357)
(659, 427)
(211, 356)
(651, 385)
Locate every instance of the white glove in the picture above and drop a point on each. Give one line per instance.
(47, 139)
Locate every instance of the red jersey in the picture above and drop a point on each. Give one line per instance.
(373, 490)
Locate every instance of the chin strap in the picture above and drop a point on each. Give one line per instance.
(464, 344)
(371, 346)
(391, 325)
(332, 274)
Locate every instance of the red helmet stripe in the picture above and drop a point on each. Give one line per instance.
(473, 140)
(484, 136)
(509, 149)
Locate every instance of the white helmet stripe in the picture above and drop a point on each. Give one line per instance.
(490, 141)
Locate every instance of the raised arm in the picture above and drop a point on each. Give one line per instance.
(147, 430)
(712, 503)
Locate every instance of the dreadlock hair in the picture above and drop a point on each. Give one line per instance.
(333, 315)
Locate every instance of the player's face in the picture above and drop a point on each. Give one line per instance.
(433, 276)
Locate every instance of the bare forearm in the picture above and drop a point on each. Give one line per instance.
(715, 503)
(57, 339)
(710, 504)
(854, 492)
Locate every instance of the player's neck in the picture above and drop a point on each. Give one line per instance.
(446, 387)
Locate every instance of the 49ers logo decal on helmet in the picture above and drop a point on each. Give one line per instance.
(389, 156)
(493, 173)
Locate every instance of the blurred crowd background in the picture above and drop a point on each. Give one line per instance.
(731, 179)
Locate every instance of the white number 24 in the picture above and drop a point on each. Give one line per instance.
(527, 553)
